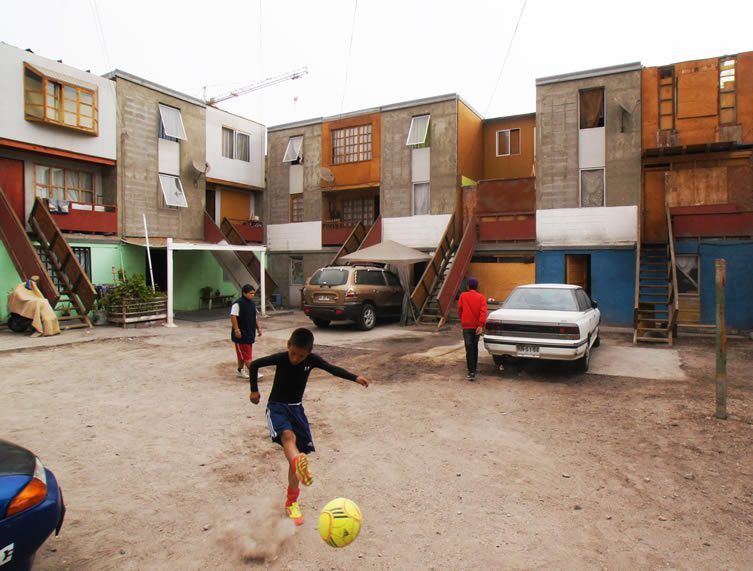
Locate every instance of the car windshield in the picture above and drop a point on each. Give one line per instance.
(329, 277)
(549, 299)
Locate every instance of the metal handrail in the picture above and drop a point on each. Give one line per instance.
(673, 269)
(422, 291)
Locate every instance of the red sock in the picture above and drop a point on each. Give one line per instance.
(293, 494)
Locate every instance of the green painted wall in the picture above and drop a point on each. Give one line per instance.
(9, 279)
(193, 271)
(105, 256)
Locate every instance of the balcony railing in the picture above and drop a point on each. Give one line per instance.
(251, 230)
(507, 226)
(336, 232)
(71, 216)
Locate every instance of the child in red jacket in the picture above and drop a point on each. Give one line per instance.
(472, 310)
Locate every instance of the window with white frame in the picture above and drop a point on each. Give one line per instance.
(419, 129)
(508, 142)
(592, 188)
(171, 123)
(293, 152)
(421, 198)
(65, 184)
(351, 145)
(236, 145)
(53, 98)
(172, 191)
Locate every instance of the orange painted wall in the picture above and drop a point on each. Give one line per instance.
(702, 128)
(470, 144)
(360, 174)
(513, 166)
(235, 204)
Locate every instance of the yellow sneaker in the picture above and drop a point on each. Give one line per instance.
(294, 513)
(302, 470)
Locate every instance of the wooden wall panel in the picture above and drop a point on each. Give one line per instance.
(501, 196)
(513, 166)
(498, 280)
(363, 173)
(698, 186)
(649, 106)
(654, 221)
(740, 185)
(697, 93)
(744, 86)
(470, 143)
(235, 205)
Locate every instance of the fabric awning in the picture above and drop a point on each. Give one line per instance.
(387, 252)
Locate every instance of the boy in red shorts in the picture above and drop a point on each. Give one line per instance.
(245, 328)
(286, 419)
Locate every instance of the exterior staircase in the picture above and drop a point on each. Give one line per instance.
(249, 259)
(62, 280)
(434, 296)
(656, 301)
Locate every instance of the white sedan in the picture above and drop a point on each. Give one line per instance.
(544, 321)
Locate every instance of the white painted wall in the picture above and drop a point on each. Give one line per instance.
(234, 170)
(296, 179)
(296, 236)
(13, 126)
(606, 226)
(592, 148)
(423, 231)
(168, 155)
(420, 165)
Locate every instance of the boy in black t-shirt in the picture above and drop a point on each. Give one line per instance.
(286, 419)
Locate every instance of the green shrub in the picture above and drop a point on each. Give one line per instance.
(133, 287)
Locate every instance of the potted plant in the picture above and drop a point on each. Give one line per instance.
(132, 302)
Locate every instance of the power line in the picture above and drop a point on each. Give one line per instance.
(507, 54)
(98, 21)
(347, 61)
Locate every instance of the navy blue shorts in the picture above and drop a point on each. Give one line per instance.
(281, 416)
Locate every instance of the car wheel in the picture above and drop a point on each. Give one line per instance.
(321, 323)
(597, 341)
(18, 323)
(585, 360)
(499, 360)
(367, 320)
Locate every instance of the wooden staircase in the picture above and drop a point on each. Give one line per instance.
(656, 301)
(434, 296)
(249, 259)
(360, 237)
(77, 294)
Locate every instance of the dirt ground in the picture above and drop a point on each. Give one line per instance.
(165, 464)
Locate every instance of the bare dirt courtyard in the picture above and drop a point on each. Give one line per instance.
(165, 464)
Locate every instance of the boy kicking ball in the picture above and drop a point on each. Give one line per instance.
(286, 419)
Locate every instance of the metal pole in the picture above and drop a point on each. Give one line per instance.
(263, 281)
(170, 322)
(148, 252)
(721, 341)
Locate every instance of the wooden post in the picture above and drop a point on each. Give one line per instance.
(721, 341)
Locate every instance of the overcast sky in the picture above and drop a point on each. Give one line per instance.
(366, 53)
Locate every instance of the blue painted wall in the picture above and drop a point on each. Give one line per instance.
(739, 292)
(612, 279)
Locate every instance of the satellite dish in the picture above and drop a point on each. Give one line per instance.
(326, 175)
(628, 104)
(200, 167)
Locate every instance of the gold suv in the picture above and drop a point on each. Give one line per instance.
(356, 293)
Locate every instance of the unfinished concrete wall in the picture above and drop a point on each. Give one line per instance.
(277, 196)
(138, 181)
(279, 267)
(396, 189)
(557, 172)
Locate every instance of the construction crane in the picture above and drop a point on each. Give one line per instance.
(295, 74)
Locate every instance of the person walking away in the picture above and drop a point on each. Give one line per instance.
(286, 419)
(245, 328)
(472, 310)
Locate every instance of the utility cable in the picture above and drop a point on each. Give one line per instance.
(504, 61)
(347, 61)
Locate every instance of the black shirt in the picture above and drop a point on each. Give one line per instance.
(290, 381)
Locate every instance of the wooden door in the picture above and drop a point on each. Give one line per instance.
(578, 271)
(654, 218)
(12, 183)
(497, 280)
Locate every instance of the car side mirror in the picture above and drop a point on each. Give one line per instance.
(594, 304)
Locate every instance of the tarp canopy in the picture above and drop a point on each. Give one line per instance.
(400, 257)
(387, 252)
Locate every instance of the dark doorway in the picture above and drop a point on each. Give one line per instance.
(578, 271)
(159, 269)
(210, 204)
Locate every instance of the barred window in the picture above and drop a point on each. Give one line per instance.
(296, 207)
(359, 209)
(351, 145)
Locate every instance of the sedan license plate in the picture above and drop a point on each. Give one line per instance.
(322, 298)
(527, 349)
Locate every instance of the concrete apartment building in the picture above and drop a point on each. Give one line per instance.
(57, 146)
(396, 169)
(588, 181)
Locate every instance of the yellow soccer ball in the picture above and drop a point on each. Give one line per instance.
(339, 522)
